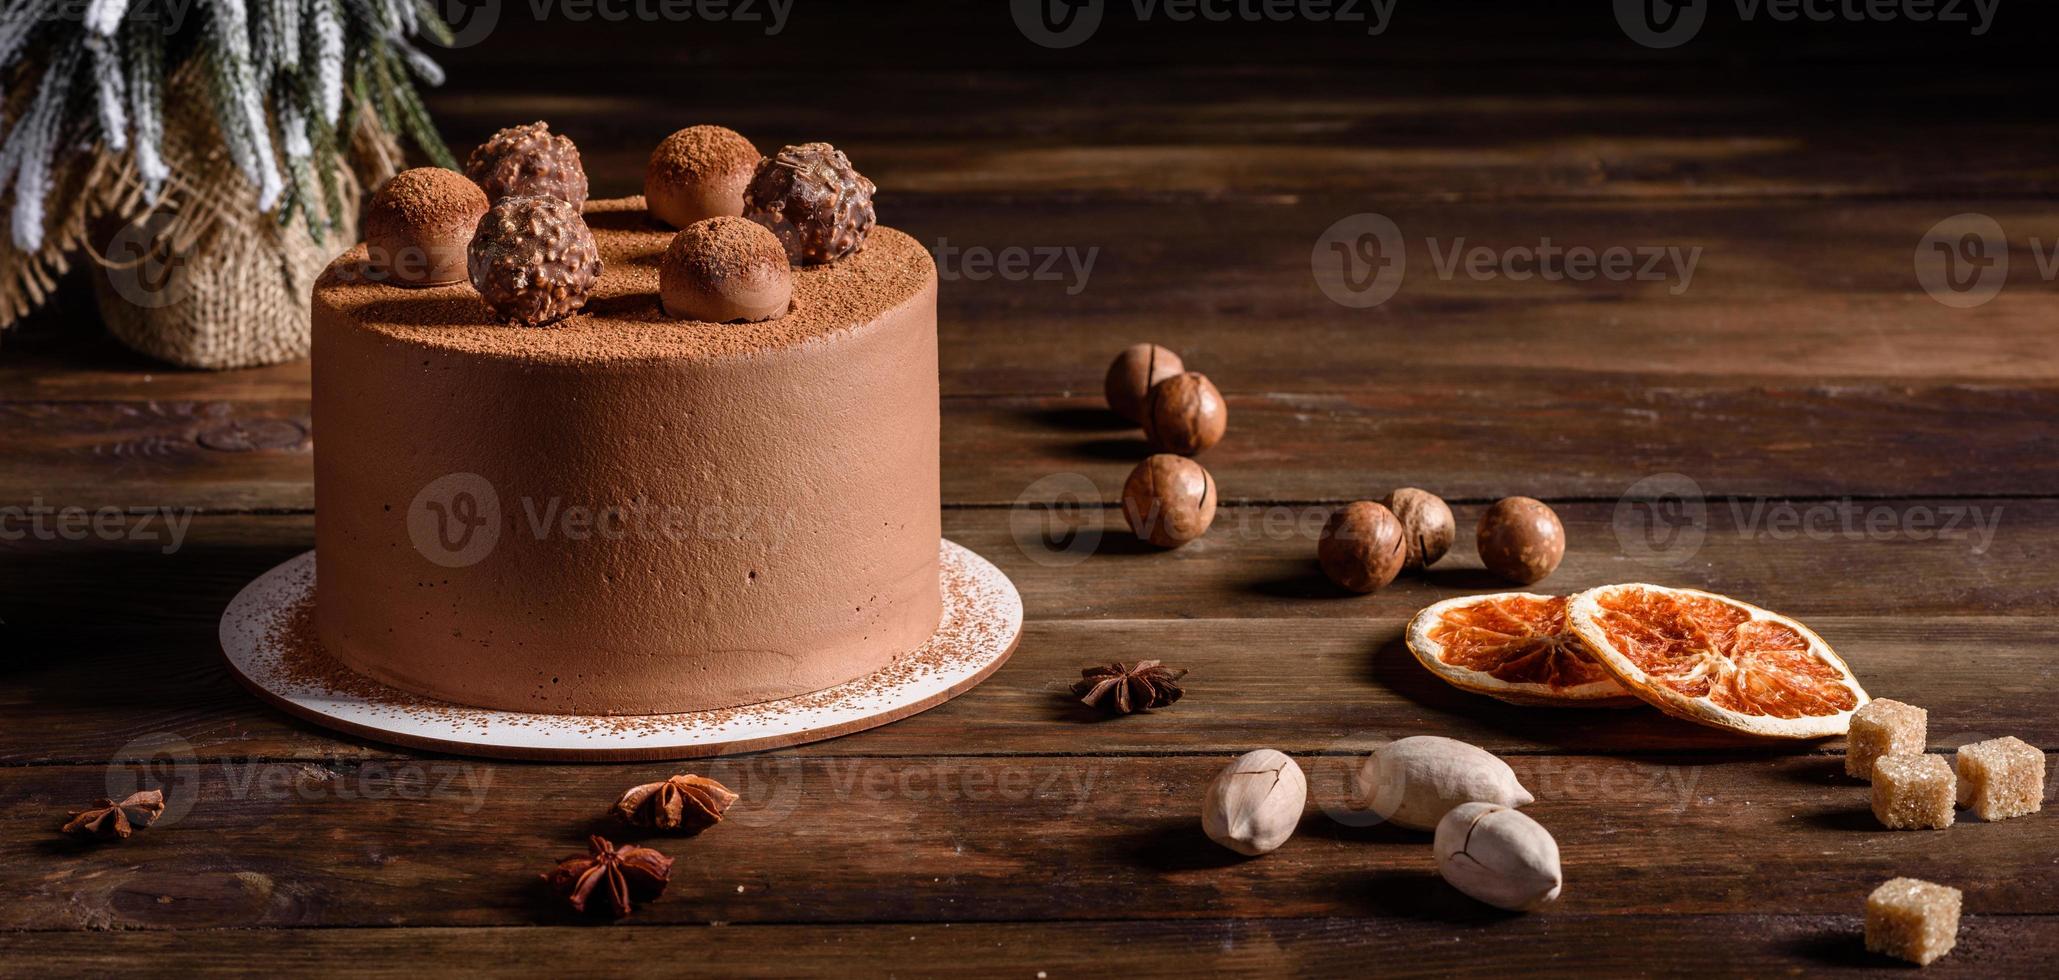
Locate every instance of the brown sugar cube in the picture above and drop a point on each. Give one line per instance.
(1884, 727)
(1912, 920)
(2001, 778)
(1913, 792)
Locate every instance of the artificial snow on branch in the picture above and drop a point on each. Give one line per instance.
(283, 73)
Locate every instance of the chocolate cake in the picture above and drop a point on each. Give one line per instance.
(624, 512)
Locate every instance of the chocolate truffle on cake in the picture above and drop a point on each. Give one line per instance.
(533, 260)
(419, 224)
(699, 172)
(725, 269)
(527, 161)
(812, 198)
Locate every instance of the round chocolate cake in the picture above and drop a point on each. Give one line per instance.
(623, 512)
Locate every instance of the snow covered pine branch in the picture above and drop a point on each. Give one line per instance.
(285, 79)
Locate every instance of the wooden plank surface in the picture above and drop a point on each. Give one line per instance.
(948, 838)
(1410, 942)
(1800, 381)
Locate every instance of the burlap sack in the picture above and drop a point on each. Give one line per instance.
(203, 279)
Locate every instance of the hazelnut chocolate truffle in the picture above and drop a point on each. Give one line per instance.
(1132, 374)
(811, 197)
(699, 172)
(725, 269)
(533, 260)
(527, 161)
(419, 224)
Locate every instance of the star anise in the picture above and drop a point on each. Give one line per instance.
(687, 803)
(623, 875)
(1121, 688)
(116, 821)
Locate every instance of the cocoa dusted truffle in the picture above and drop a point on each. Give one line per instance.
(527, 161)
(811, 197)
(699, 172)
(725, 269)
(419, 224)
(533, 260)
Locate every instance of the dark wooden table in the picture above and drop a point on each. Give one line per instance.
(1802, 374)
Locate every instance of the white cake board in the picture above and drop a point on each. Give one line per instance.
(981, 624)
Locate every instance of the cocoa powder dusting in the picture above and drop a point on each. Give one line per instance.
(623, 320)
(425, 197)
(972, 626)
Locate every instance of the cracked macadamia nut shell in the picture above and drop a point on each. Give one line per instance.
(1169, 500)
(699, 172)
(528, 161)
(419, 225)
(1132, 374)
(1521, 540)
(1427, 527)
(1185, 414)
(533, 260)
(725, 270)
(1361, 547)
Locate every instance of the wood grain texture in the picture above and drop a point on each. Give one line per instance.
(1257, 562)
(1412, 943)
(1463, 442)
(944, 838)
(1801, 372)
(1278, 654)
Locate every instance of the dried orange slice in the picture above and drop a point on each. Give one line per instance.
(1712, 659)
(1513, 646)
